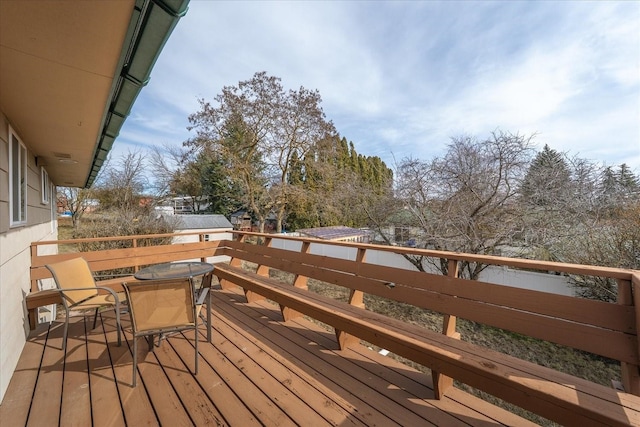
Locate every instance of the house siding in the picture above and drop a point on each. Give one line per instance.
(15, 256)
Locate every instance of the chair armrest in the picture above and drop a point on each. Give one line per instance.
(103, 288)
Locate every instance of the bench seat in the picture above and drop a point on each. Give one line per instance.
(557, 396)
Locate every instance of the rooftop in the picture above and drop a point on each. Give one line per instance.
(337, 232)
(193, 222)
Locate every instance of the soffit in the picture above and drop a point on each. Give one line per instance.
(70, 72)
(58, 61)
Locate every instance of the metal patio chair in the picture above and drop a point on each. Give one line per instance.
(74, 280)
(204, 297)
(160, 307)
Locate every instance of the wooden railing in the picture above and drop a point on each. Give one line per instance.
(132, 256)
(597, 327)
(601, 328)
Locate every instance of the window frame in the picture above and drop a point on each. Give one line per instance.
(17, 208)
(45, 186)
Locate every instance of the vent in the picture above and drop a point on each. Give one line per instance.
(62, 155)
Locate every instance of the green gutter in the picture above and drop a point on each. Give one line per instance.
(152, 22)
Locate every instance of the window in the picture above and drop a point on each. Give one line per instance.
(45, 187)
(17, 179)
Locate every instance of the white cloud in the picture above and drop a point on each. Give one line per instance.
(402, 78)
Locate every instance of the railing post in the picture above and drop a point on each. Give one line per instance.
(201, 240)
(441, 383)
(298, 282)
(629, 294)
(301, 281)
(356, 298)
(262, 270)
(34, 255)
(234, 262)
(134, 243)
(33, 313)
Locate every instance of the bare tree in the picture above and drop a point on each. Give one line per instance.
(299, 124)
(614, 242)
(164, 162)
(121, 183)
(465, 201)
(75, 201)
(256, 128)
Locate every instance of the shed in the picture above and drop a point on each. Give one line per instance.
(200, 223)
(241, 220)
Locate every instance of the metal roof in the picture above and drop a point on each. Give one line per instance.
(337, 232)
(194, 222)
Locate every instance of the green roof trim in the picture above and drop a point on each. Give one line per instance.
(152, 22)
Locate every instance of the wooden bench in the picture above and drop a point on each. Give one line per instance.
(601, 328)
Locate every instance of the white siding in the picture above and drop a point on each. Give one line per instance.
(15, 258)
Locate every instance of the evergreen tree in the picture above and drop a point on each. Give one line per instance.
(353, 158)
(547, 179)
(296, 174)
(629, 183)
(618, 188)
(335, 184)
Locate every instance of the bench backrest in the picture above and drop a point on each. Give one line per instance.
(597, 327)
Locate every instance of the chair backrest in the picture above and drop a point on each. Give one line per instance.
(161, 304)
(74, 273)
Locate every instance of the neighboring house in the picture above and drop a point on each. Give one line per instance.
(69, 74)
(184, 205)
(202, 223)
(338, 233)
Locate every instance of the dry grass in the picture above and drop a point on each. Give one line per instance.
(65, 232)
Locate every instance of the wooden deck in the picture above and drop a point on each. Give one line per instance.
(257, 371)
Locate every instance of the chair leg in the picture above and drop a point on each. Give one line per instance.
(209, 316)
(196, 334)
(95, 318)
(66, 329)
(118, 325)
(135, 360)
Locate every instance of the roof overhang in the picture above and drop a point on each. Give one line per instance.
(70, 72)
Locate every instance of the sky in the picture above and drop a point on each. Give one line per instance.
(401, 79)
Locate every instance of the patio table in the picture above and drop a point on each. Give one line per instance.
(174, 270)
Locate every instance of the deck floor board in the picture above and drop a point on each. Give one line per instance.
(105, 401)
(76, 402)
(275, 341)
(395, 396)
(45, 404)
(258, 370)
(25, 378)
